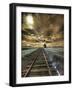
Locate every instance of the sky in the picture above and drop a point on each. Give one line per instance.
(38, 29)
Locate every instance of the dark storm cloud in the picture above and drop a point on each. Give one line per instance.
(48, 24)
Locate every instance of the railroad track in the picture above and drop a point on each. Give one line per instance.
(36, 64)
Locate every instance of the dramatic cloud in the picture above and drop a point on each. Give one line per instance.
(43, 28)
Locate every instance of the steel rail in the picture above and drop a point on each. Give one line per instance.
(25, 74)
(49, 71)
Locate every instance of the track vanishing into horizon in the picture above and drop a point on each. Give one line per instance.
(37, 64)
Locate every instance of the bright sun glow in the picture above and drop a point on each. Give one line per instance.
(29, 19)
